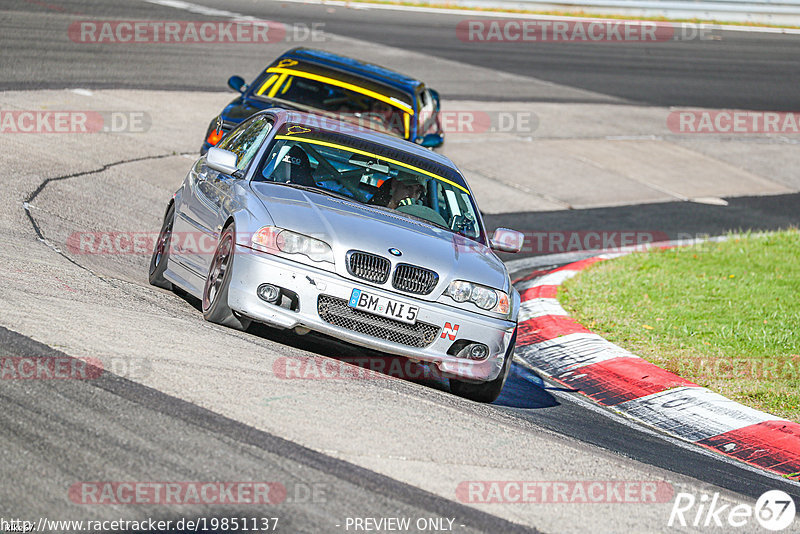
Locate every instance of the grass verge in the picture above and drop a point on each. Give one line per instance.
(724, 315)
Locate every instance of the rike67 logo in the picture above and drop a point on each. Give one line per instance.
(774, 510)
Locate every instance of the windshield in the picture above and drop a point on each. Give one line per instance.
(364, 176)
(377, 112)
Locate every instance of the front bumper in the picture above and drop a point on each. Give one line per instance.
(251, 269)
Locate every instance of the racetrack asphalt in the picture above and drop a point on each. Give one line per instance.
(68, 419)
(159, 420)
(734, 70)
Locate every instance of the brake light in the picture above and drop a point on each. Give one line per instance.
(214, 137)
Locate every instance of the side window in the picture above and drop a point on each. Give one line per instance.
(426, 98)
(443, 207)
(246, 140)
(427, 113)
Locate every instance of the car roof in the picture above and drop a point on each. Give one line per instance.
(313, 121)
(355, 67)
(319, 122)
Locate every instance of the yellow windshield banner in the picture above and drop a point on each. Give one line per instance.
(266, 84)
(344, 85)
(371, 155)
(276, 86)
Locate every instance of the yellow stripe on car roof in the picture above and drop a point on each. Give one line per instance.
(371, 155)
(344, 85)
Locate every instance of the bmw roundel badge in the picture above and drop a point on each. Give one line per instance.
(395, 252)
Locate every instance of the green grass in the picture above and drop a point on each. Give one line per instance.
(723, 315)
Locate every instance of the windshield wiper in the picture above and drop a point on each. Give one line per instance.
(414, 218)
(316, 190)
(295, 105)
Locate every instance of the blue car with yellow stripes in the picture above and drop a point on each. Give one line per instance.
(336, 87)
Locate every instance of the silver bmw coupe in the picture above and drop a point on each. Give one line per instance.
(299, 221)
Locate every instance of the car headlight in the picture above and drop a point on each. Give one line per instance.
(483, 297)
(273, 238)
(459, 290)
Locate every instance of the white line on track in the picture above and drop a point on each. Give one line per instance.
(200, 10)
(213, 12)
(509, 15)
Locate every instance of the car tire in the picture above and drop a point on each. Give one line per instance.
(158, 262)
(486, 391)
(215, 290)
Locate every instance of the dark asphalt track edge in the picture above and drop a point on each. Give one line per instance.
(734, 71)
(665, 220)
(149, 399)
(214, 86)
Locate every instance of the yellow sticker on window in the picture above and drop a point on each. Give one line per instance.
(297, 130)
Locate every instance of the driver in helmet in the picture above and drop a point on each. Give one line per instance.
(406, 189)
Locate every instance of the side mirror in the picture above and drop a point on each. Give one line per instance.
(432, 140)
(237, 84)
(505, 240)
(222, 161)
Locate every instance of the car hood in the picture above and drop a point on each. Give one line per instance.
(348, 225)
(242, 107)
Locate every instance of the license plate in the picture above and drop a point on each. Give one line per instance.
(392, 309)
